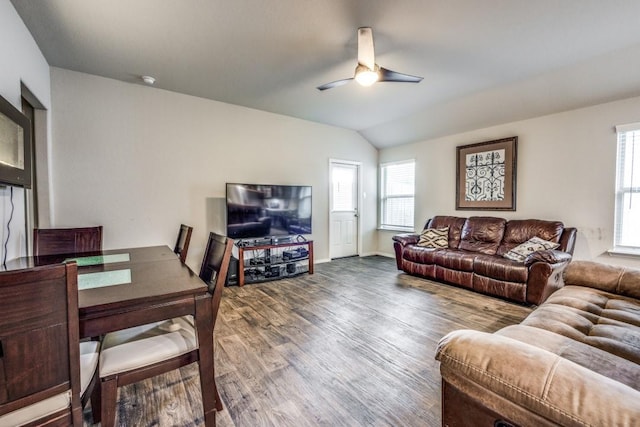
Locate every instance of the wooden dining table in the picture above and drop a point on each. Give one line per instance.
(121, 288)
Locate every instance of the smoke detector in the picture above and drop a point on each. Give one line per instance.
(148, 80)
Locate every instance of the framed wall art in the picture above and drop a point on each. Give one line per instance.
(486, 175)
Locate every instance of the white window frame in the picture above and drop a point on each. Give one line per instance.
(623, 188)
(384, 197)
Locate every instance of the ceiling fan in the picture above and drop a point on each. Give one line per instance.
(367, 71)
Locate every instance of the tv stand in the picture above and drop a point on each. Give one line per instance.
(274, 261)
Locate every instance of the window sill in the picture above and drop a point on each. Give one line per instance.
(634, 253)
(397, 229)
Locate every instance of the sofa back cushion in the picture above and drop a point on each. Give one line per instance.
(455, 225)
(610, 278)
(482, 234)
(517, 232)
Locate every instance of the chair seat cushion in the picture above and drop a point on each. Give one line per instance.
(89, 355)
(147, 344)
(36, 411)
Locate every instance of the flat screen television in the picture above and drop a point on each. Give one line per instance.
(257, 210)
(15, 146)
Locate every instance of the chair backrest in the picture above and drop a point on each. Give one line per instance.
(215, 266)
(55, 241)
(39, 346)
(182, 244)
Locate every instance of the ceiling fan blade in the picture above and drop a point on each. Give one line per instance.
(393, 76)
(334, 84)
(366, 55)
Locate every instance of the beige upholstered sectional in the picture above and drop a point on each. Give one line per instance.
(574, 361)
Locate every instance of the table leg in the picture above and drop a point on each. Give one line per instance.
(204, 327)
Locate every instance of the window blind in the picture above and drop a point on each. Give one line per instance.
(627, 217)
(397, 189)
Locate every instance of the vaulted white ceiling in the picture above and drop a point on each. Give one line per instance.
(484, 62)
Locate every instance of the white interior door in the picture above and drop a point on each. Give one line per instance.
(344, 213)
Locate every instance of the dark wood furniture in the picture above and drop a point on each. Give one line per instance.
(274, 261)
(161, 287)
(39, 357)
(215, 266)
(52, 241)
(182, 243)
(134, 354)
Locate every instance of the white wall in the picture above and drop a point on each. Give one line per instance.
(20, 62)
(566, 172)
(141, 160)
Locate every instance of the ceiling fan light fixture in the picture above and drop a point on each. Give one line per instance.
(366, 76)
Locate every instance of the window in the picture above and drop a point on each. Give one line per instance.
(627, 219)
(397, 189)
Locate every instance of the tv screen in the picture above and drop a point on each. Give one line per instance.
(256, 210)
(15, 146)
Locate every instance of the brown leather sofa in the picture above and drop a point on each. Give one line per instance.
(574, 361)
(474, 256)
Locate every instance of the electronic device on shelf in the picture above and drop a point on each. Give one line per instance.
(262, 242)
(296, 253)
(281, 240)
(274, 212)
(260, 263)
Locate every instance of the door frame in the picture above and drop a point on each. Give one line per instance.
(359, 200)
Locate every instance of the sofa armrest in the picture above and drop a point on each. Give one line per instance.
(546, 270)
(400, 241)
(549, 256)
(537, 380)
(406, 239)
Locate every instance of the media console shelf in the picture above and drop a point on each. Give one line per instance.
(274, 261)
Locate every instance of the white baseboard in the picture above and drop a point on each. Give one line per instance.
(386, 255)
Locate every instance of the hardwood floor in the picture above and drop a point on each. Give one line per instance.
(351, 345)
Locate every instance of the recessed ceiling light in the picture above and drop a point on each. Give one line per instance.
(148, 80)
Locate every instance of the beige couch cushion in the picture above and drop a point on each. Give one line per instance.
(618, 280)
(597, 318)
(538, 380)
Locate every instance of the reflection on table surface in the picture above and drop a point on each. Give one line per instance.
(103, 278)
(112, 256)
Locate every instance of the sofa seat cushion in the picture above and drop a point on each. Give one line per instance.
(420, 254)
(600, 319)
(500, 268)
(455, 259)
(594, 359)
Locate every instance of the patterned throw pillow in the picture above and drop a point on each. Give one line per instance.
(435, 238)
(520, 252)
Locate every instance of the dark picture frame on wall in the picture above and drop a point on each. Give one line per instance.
(486, 175)
(15, 146)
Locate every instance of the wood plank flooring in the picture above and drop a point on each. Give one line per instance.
(351, 345)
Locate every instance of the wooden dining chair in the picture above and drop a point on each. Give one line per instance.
(141, 352)
(182, 244)
(55, 241)
(42, 371)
